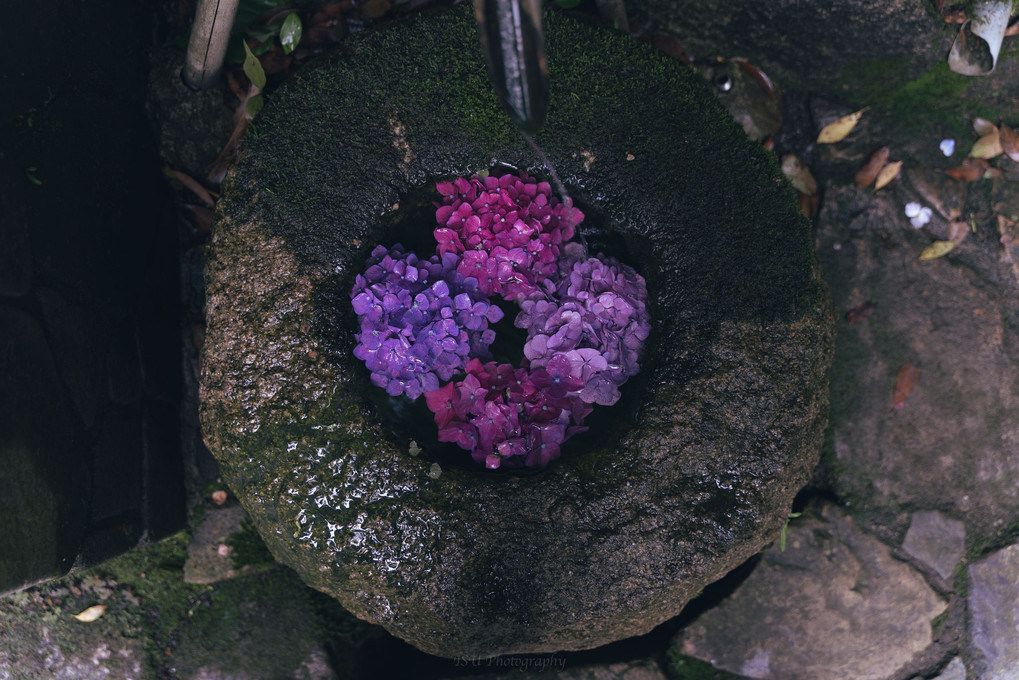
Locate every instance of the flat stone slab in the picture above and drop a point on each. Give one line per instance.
(993, 603)
(949, 442)
(833, 605)
(936, 540)
(684, 479)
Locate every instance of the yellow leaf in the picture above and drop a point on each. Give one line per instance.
(987, 146)
(937, 249)
(887, 174)
(91, 614)
(837, 131)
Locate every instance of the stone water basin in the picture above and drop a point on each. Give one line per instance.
(688, 476)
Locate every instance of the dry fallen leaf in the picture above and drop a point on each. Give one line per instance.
(936, 250)
(859, 312)
(987, 146)
(192, 184)
(91, 614)
(799, 175)
(971, 170)
(1010, 142)
(905, 381)
(840, 129)
(982, 126)
(809, 205)
(958, 231)
(868, 173)
(887, 174)
(374, 9)
(1009, 229)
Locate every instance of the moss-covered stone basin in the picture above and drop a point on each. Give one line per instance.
(691, 474)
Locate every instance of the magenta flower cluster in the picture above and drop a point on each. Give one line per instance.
(503, 414)
(424, 324)
(507, 230)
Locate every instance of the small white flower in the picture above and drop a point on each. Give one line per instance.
(947, 146)
(912, 209)
(921, 218)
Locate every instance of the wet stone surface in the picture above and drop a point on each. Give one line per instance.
(720, 430)
(993, 604)
(875, 612)
(950, 443)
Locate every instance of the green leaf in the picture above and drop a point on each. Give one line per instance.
(253, 68)
(290, 33)
(252, 106)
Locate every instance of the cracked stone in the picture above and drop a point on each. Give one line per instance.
(875, 611)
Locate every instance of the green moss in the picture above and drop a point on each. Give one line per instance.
(248, 549)
(935, 97)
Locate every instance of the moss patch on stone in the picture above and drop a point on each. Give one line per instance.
(935, 97)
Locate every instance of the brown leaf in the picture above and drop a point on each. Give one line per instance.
(905, 381)
(809, 205)
(840, 129)
(1010, 141)
(868, 173)
(887, 174)
(192, 184)
(971, 170)
(1009, 229)
(958, 231)
(1012, 30)
(983, 127)
(860, 312)
(757, 74)
(799, 175)
(956, 17)
(373, 9)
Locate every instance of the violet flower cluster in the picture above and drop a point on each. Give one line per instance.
(597, 319)
(420, 320)
(507, 230)
(424, 324)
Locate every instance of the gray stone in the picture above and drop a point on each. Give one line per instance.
(544, 668)
(686, 481)
(835, 604)
(936, 540)
(210, 557)
(950, 443)
(993, 603)
(41, 638)
(265, 627)
(955, 670)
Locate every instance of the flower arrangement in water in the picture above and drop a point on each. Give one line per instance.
(425, 323)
